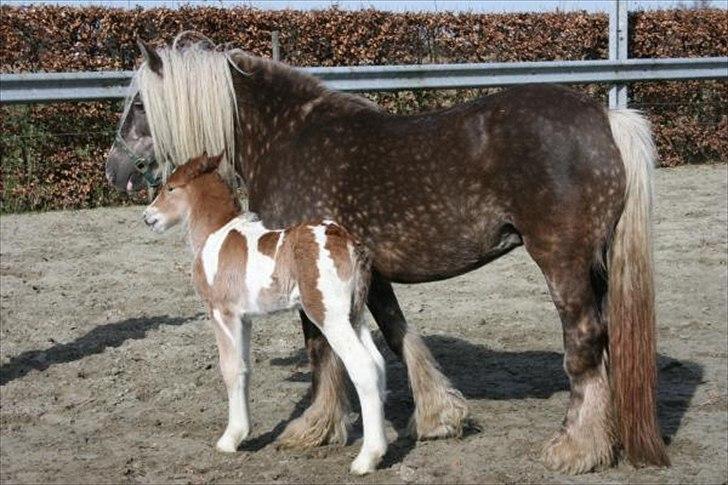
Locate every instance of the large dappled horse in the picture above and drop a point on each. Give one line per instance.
(433, 196)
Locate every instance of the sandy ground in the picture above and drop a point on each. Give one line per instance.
(108, 370)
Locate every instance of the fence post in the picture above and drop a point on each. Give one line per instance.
(276, 45)
(618, 35)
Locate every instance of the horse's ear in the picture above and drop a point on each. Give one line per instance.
(235, 66)
(151, 57)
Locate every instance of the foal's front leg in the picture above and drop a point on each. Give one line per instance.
(233, 342)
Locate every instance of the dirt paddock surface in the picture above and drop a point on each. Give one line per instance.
(109, 367)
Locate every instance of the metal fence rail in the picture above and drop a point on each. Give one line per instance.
(85, 86)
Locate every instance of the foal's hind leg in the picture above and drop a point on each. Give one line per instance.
(326, 419)
(363, 365)
(366, 338)
(440, 409)
(587, 436)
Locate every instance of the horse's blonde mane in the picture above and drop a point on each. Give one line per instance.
(191, 108)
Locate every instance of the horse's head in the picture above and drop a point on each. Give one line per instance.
(131, 161)
(186, 187)
(184, 104)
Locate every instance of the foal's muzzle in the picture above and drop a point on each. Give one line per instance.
(152, 219)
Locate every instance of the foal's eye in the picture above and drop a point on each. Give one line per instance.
(170, 188)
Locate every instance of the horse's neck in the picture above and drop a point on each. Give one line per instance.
(273, 100)
(211, 212)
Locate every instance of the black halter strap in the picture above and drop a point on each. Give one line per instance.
(142, 164)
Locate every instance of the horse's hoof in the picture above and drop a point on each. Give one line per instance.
(311, 430)
(445, 416)
(566, 454)
(226, 445)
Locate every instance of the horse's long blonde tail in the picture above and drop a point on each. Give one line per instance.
(631, 298)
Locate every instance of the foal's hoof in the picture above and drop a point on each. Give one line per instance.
(229, 442)
(567, 454)
(226, 445)
(443, 416)
(365, 463)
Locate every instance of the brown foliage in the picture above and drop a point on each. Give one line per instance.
(43, 168)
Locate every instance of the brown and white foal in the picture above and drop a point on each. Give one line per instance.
(243, 269)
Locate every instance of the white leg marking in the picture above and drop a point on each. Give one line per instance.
(235, 368)
(221, 324)
(365, 375)
(366, 338)
(360, 364)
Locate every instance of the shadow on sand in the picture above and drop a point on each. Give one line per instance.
(477, 371)
(483, 373)
(94, 342)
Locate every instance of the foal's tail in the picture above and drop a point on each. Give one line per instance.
(631, 298)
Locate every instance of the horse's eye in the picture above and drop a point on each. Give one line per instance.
(139, 105)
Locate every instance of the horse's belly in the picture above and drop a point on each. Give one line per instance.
(464, 233)
(433, 260)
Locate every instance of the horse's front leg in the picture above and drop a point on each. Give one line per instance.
(233, 342)
(326, 419)
(440, 409)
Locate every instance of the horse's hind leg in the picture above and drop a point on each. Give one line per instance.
(587, 437)
(326, 419)
(440, 409)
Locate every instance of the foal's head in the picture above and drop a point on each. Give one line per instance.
(191, 186)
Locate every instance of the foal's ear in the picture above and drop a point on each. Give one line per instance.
(211, 164)
(150, 57)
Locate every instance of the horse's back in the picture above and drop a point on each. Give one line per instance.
(437, 194)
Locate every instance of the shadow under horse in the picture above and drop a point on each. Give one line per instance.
(476, 370)
(483, 373)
